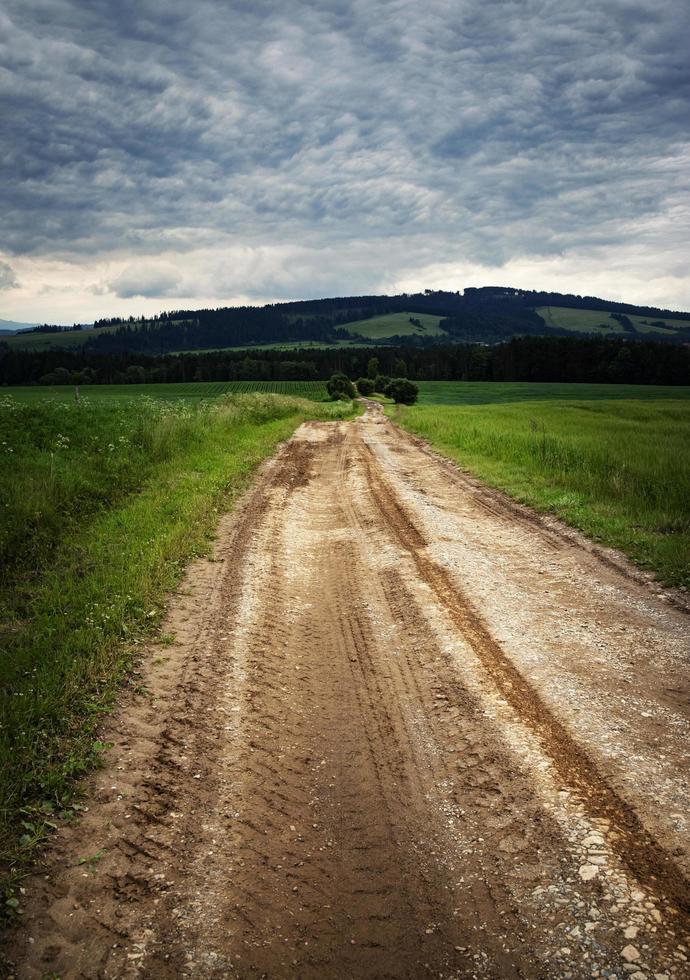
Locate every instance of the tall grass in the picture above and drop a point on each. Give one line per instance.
(102, 505)
(618, 470)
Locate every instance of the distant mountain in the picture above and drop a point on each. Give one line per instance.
(486, 315)
(13, 326)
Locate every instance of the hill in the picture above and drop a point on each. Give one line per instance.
(486, 315)
(14, 326)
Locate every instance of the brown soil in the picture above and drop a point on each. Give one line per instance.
(406, 729)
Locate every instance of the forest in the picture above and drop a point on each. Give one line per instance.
(531, 358)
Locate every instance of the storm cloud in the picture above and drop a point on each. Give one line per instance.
(263, 149)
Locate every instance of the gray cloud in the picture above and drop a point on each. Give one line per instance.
(145, 280)
(8, 280)
(479, 131)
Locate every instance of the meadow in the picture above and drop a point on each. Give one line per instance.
(396, 324)
(600, 321)
(102, 505)
(610, 460)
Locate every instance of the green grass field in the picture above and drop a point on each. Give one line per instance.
(102, 504)
(396, 324)
(490, 392)
(610, 460)
(600, 321)
(191, 390)
(430, 392)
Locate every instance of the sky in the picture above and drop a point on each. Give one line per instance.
(160, 156)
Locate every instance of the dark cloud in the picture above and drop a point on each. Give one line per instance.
(481, 130)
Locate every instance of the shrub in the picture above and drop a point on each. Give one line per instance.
(340, 387)
(365, 386)
(402, 391)
(381, 382)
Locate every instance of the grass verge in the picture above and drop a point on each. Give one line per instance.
(617, 470)
(102, 506)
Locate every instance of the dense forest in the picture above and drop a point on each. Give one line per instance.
(531, 358)
(488, 314)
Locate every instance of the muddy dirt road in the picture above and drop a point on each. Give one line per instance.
(406, 729)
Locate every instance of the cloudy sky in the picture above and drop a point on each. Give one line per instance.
(158, 155)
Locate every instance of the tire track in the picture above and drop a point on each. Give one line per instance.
(642, 854)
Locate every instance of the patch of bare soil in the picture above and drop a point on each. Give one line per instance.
(406, 729)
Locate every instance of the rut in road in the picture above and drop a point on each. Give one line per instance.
(342, 773)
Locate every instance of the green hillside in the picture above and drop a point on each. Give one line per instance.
(46, 341)
(484, 315)
(396, 325)
(601, 321)
(65, 338)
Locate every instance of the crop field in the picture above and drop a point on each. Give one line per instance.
(491, 392)
(600, 321)
(191, 390)
(610, 460)
(396, 324)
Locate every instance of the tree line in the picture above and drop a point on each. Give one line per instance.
(532, 358)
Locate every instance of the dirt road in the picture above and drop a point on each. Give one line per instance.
(406, 729)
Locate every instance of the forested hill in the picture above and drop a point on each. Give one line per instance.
(488, 314)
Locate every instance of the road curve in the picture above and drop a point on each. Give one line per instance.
(406, 729)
